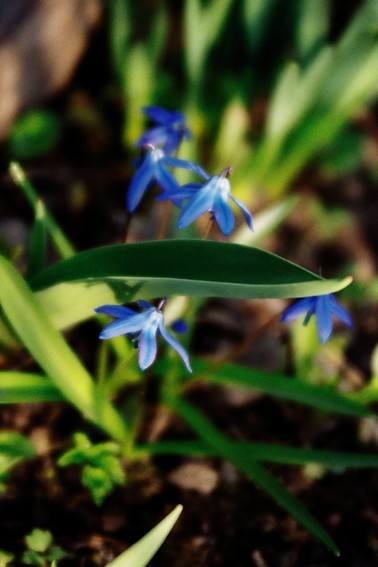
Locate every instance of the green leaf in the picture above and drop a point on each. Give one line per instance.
(33, 134)
(37, 248)
(253, 470)
(312, 27)
(15, 445)
(266, 452)
(50, 350)
(322, 397)
(20, 387)
(62, 245)
(38, 540)
(202, 28)
(71, 289)
(139, 554)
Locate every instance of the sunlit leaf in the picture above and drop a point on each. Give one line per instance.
(35, 330)
(71, 289)
(140, 554)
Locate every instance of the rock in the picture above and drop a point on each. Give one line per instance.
(41, 43)
(196, 475)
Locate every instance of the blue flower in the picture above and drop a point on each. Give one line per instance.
(171, 129)
(212, 197)
(323, 307)
(142, 328)
(154, 167)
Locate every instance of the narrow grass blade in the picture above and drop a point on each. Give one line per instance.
(321, 397)
(266, 452)
(35, 330)
(140, 554)
(61, 243)
(23, 387)
(37, 248)
(253, 470)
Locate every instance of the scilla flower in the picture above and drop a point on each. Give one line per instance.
(323, 307)
(142, 328)
(154, 167)
(171, 129)
(212, 197)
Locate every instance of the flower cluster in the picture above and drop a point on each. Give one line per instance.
(194, 199)
(211, 196)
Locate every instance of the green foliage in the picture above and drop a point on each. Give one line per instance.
(40, 549)
(252, 469)
(140, 554)
(71, 289)
(6, 558)
(14, 448)
(33, 134)
(34, 328)
(101, 466)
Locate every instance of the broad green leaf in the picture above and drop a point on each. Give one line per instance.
(71, 289)
(322, 397)
(15, 445)
(140, 554)
(265, 452)
(35, 330)
(252, 469)
(24, 387)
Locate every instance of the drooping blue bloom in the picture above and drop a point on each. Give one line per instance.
(323, 307)
(171, 129)
(142, 328)
(211, 196)
(154, 167)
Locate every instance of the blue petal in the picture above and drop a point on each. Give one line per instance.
(145, 304)
(172, 141)
(183, 193)
(165, 178)
(116, 311)
(147, 344)
(155, 136)
(245, 211)
(184, 164)
(159, 115)
(340, 312)
(177, 117)
(298, 308)
(323, 318)
(132, 324)
(223, 214)
(139, 183)
(174, 344)
(201, 203)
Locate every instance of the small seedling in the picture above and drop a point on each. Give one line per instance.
(102, 469)
(40, 549)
